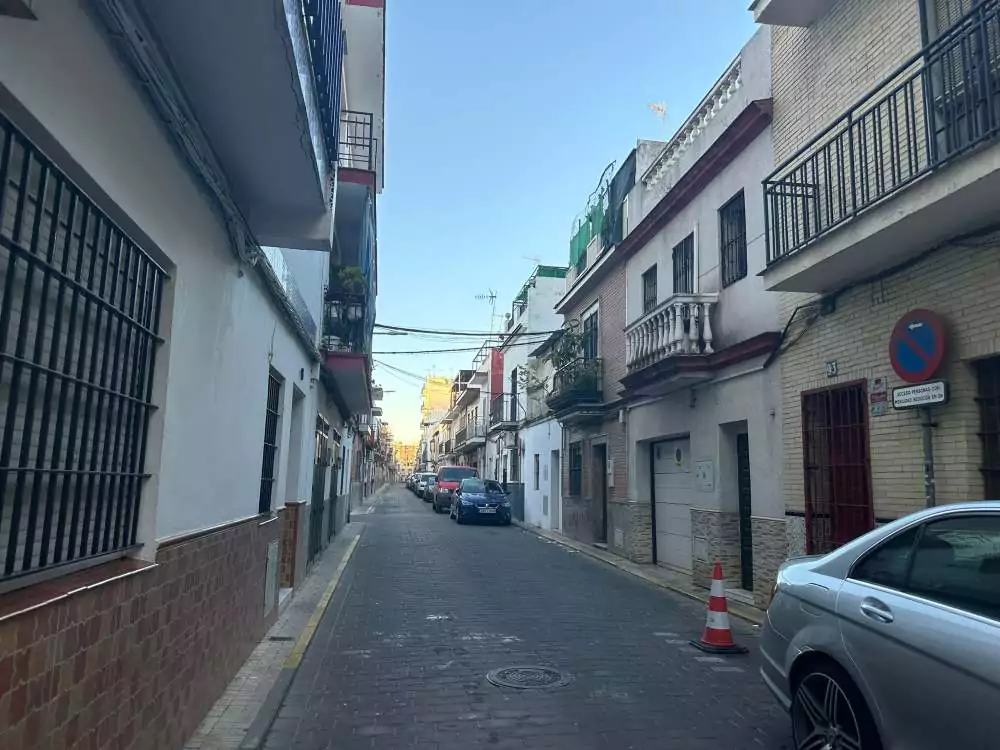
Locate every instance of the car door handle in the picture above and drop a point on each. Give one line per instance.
(876, 610)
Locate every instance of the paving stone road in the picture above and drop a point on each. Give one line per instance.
(428, 607)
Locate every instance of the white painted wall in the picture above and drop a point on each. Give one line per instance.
(753, 397)
(541, 507)
(744, 309)
(223, 332)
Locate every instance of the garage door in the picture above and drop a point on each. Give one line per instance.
(673, 488)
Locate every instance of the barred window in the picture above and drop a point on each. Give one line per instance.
(649, 289)
(269, 462)
(590, 334)
(684, 266)
(575, 468)
(733, 240)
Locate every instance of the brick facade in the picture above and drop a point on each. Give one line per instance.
(135, 661)
(962, 284)
(820, 71)
(582, 515)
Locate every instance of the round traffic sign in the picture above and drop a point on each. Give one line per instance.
(916, 347)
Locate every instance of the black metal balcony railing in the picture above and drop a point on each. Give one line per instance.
(503, 408)
(579, 382)
(344, 323)
(324, 28)
(357, 146)
(471, 431)
(942, 103)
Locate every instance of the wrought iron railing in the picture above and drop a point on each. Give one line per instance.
(79, 320)
(939, 105)
(357, 146)
(324, 28)
(503, 408)
(580, 381)
(344, 326)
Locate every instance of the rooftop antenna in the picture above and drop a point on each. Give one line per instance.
(491, 297)
(660, 110)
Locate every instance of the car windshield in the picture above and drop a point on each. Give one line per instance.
(456, 473)
(473, 485)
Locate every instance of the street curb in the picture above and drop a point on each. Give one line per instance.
(752, 616)
(268, 711)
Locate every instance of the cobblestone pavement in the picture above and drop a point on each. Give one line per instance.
(428, 607)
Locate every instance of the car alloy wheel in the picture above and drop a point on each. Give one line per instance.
(826, 715)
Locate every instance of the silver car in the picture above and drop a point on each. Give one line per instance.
(893, 640)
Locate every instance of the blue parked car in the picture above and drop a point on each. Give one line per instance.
(480, 499)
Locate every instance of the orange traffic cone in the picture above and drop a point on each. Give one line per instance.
(718, 637)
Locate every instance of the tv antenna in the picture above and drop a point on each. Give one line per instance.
(490, 297)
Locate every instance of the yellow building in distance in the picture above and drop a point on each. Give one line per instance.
(435, 398)
(405, 454)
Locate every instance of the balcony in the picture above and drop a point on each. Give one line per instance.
(346, 346)
(473, 435)
(250, 92)
(503, 413)
(894, 176)
(789, 12)
(668, 347)
(577, 390)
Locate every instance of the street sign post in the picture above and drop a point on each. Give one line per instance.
(917, 344)
(916, 351)
(933, 393)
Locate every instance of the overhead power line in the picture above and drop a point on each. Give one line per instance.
(535, 342)
(478, 334)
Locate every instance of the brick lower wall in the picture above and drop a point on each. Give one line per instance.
(135, 663)
(961, 284)
(715, 536)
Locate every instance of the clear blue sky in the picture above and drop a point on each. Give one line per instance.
(500, 118)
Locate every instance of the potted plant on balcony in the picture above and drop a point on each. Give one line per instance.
(351, 279)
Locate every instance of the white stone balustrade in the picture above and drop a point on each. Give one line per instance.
(681, 324)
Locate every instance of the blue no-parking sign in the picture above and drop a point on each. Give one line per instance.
(917, 344)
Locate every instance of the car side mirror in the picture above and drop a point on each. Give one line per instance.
(458, 492)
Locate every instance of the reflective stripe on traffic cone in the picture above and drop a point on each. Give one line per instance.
(718, 637)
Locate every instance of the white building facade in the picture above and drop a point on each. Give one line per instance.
(168, 405)
(703, 411)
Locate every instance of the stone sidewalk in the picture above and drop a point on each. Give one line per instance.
(653, 574)
(225, 727)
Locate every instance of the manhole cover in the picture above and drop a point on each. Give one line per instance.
(528, 678)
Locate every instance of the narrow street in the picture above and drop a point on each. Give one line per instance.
(427, 608)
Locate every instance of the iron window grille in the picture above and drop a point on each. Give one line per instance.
(837, 470)
(733, 240)
(79, 322)
(590, 336)
(575, 469)
(269, 463)
(988, 399)
(649, 289)
(684, 266)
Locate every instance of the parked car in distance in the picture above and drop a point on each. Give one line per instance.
(478, 500)
(410, 482)
(892, 640)
(448, 479)
(422, 483)
(429, 484)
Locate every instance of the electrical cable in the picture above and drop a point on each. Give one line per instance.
(479, 334)
(536, 342)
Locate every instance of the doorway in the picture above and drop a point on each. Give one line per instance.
(599, 486)
(837, 467)
(673, 495)
(555, 501)
(746, 524)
